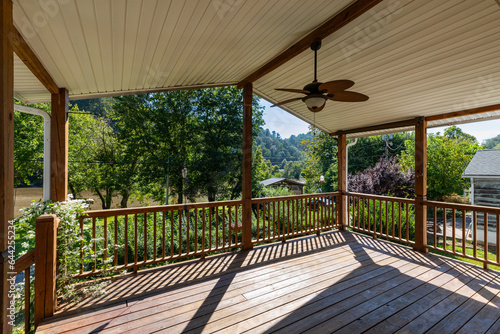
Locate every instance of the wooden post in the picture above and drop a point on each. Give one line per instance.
(45, 266)
(6, 154)
(342, 180)
(247, 166)
(59, 147)
(420, 186)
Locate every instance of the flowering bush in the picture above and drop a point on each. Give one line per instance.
(69, 240)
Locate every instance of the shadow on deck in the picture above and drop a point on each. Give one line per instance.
(337, 282)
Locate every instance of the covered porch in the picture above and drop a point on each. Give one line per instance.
(423, 64)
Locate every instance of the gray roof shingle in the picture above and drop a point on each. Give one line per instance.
(484, 163)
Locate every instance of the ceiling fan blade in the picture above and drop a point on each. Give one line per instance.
(336, 86)
(286, 101)
(291, 90)
(348, 97)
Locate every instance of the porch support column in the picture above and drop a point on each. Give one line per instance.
(247, 166)
(342, 180)
(59, 147)
(420, 185)
(6, 154)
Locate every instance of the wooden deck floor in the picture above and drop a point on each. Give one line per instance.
(338, 282)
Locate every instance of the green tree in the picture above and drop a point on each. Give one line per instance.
(28, 147)
(447, 157)
(199, 129)
(492, 143)
(321, 159)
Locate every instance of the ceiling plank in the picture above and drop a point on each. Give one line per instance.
(461, 113)
(24, 52)
(335, 23)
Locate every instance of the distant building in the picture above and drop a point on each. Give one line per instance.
(296, 187)
(484, 174)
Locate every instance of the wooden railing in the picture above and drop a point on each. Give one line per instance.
(277, 218)
(122, 239)
(382, 216)
(137, 237)
(462, 230)
(23, 265)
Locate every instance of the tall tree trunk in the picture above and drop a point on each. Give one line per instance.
(125, 196)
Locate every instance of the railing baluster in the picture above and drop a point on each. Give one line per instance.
(381, 227)
(210, 211)
(116, 241)
(464, 227)
(27, 296)
(163, 240)
(435, 226)
(105, 256)
(393, 222)
(498, 237)
(453, 222)
(125, 255)
(223, 226)
(196, 230)
(172, 233)
(288, 217)
(474, 234)
(136, 239)
(485, 240)
(407, 221)
(180, 213)
(203, 229)
(444, 228)
(81, 247)
(154, 236)
(145, 237)
(387, 218)
(400, 221)
(216, 227)
(94, 227)
(188, 223)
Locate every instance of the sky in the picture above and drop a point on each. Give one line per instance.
(286, 124)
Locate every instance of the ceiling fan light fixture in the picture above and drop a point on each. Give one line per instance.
(315, 103)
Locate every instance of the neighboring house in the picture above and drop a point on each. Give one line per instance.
(484, 173)
(296, 187)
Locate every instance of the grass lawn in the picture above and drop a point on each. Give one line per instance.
(468, 251)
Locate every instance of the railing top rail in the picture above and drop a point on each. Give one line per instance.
(24, 262)
(158, 208)
(467, 207)
(383, 198)
(282, 198)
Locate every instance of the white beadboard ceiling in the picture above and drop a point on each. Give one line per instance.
(413, 58)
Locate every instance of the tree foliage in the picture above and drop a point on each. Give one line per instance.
(447, 157)
(321, 160)
(276, 149)
(385, 178)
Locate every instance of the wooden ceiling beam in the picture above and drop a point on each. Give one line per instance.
(29, 58)
(461, 113)
(332, 25)
(386, 126)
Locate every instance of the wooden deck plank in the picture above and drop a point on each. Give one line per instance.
(433, 315)
(336, 316)
(331, 291)
(248, 278)
(461, 315)
(484, 319)
(399, 319)
(176, 315)
(339, 281)
(361, 324)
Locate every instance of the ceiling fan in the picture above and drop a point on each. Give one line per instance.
(317, 93)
